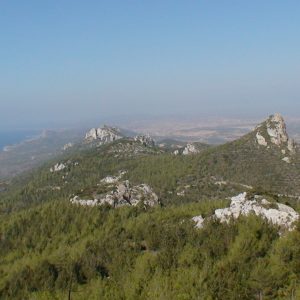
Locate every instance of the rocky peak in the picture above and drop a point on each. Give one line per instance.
(104, 135)
(273, 132)
(276, 129)
(145, 140)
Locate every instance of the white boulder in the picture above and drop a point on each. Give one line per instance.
(199, 221)
(58, 167)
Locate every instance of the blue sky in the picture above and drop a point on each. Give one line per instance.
(63, 62)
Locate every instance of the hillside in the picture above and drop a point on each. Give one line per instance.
(112, 218)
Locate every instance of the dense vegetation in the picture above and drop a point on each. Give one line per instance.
(129, 253)
(51, 249)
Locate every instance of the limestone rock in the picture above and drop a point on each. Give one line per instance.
(176, 152)
(113, 179)
(67, 146)
(199, 221)
(261, 140)
(190, 149)
(273, 132)
(145, 140)
(58, 167)
(103, 135)
(276, 213)
(276, 129)
(121, 193)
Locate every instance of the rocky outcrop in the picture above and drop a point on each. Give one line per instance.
(273, 132)
(113, 179)
(58, 167)
(67, 146)
(276, 129)
(190, 149)
(145, 140)
(276, 213)
(63, 165)
(120, 193)
(103, 135)
(261, 140)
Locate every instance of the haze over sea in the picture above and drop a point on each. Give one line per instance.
(15, 137)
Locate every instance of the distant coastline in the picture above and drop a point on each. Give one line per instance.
(11, 138)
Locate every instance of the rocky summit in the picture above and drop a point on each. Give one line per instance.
(272, 133)
(103, 135)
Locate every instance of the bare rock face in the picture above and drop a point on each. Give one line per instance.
(276, 213)
(145, 140)
(190, 149)
(103, 135)
(261, 140)
(272, 133)
(277, 129)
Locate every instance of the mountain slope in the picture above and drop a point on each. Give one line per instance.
(54, 244)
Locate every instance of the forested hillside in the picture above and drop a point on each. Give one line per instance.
(54, 249)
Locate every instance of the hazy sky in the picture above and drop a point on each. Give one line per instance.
(69, 61)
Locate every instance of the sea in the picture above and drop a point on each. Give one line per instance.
(8, 138)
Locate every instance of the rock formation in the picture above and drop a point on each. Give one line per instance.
(273, 132)
(103, 135)
(120, 193)
(145, 140)
(276, 213)
(190, 149)
(67, 146)
(113, 179)
(58, 167)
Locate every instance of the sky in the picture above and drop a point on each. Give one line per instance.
(66, 62)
